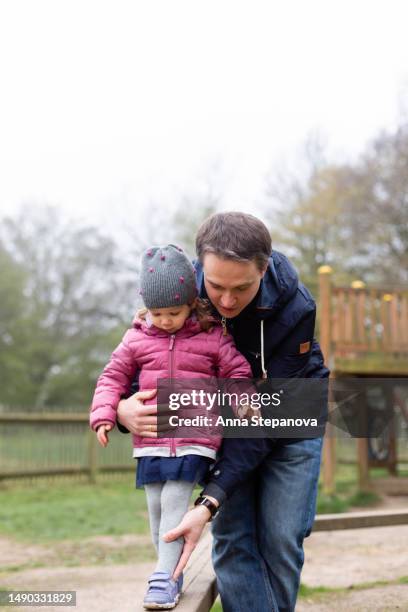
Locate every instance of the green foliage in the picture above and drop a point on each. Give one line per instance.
(364, 498)
(347, 493)
(352, 216)
(330, 504)
(63, 304)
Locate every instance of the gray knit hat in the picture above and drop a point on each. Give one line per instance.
(167, 277)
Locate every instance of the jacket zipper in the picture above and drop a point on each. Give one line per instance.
(171, 368)
(224, 326)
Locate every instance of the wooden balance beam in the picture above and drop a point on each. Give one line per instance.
(200, 587)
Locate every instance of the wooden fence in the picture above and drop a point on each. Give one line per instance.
(56, 444)
(61, 444)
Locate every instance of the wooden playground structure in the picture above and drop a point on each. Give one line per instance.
(364, 334)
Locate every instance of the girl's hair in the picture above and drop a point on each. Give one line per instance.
(202, 310)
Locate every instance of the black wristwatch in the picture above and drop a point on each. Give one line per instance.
(202, 500)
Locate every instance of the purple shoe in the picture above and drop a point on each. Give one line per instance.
(163, 592)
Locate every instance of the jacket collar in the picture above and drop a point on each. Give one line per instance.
(191, 327)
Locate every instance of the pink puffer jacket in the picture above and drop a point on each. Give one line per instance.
(189, 353)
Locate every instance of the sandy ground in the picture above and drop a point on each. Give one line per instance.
(342, 559)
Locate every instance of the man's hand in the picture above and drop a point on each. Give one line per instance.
(138, 418)
(191, 527)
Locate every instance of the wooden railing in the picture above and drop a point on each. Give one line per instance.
(363, 329)
(369, 320)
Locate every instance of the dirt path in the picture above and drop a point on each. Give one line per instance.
(343, 560)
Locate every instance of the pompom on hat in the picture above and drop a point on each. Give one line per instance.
(167, 277)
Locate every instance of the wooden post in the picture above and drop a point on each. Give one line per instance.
(393, 455)
(404, 318)
(364, 483)
(92, 456)
(360, 311)
(385, 320)
(329, 447)
(363, 465)
(373, 320)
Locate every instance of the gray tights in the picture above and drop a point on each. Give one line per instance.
(167, 502)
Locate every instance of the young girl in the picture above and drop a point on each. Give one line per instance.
(174, 338)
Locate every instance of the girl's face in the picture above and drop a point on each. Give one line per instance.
(170, 319)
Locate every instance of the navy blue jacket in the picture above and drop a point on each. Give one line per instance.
(290, 350)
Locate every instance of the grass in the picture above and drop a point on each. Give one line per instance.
(49, 512)
(320, 592)
(347, 494)
(74, 511)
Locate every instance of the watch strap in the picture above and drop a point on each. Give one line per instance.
(202, 500)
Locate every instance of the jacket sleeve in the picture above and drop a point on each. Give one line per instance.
(115, 381)
(237, 458)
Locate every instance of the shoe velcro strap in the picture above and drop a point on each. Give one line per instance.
(158, 584)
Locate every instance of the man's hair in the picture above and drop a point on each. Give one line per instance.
(234, 235)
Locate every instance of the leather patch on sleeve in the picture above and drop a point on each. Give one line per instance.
(304, 348)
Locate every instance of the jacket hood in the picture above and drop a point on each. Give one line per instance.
(278, 286)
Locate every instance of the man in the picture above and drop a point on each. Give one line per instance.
(265, 490)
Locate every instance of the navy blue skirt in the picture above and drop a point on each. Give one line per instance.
(192, 468)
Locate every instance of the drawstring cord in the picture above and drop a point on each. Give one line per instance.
(264, 372)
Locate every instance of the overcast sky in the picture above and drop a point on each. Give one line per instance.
(111, 102)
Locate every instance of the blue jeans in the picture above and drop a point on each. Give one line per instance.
(259, 531)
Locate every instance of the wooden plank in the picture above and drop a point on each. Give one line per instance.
(361, 314)
(394, 321)
(385, 338)
(200, 587)
(42, 417)
(353, 347)
(325, 311)
(358, 520)
(63, 471)
(338, 317)
(380, 364)
(329, 464)
(348, 318)
(373, 314)
(363, 471)
(92, 456)
(404, 318)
